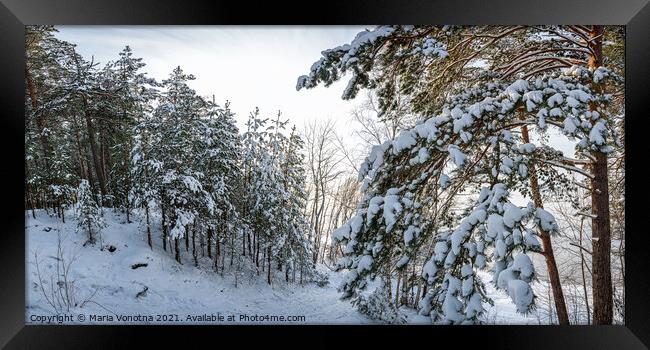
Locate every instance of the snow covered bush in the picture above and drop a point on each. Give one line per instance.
(379, 306)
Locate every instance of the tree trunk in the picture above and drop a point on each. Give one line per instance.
(254, 253)
(196, 261)
(250, 251)
(243, 245)
(584, 279)
(187, 238)
(178, 251)
(232, 250)
(164, 227)
(416, 301)
(549, 256)
(399, 279)
(257, 253)
(210, 243)
(93, 149)
(414, 278)
(601, 242)
(83, 169)
(202, 245)
(268, 278)
(405, 288)
(223, 260)
(40, 120)
(31, 204)
(28, 189)
(146, 213)
(550, 306)
(601, 239)
(217, 253)
(102, 159)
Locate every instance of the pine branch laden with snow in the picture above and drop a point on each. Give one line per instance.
(494, 230)
(470, 140)
(368, 51)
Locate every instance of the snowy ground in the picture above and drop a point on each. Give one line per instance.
(179, 293)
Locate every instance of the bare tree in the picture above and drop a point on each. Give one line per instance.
(343, 205)
(375, 127)
(323, 166)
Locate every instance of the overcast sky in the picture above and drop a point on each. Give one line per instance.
(251, 66)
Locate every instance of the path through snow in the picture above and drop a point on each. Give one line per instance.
(180, 290)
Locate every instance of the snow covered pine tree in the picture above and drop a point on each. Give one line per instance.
(274, 204)
(471, 100)
(89, 216)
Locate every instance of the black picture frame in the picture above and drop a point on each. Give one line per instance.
(15, 14)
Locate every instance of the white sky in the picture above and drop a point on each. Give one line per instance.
(251, 66)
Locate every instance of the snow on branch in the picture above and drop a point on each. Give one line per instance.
(362, 53)
(396, 191)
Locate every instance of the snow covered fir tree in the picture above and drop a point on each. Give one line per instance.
(89, 217)
(478, 178)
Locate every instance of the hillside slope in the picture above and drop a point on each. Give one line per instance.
(164, 291)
